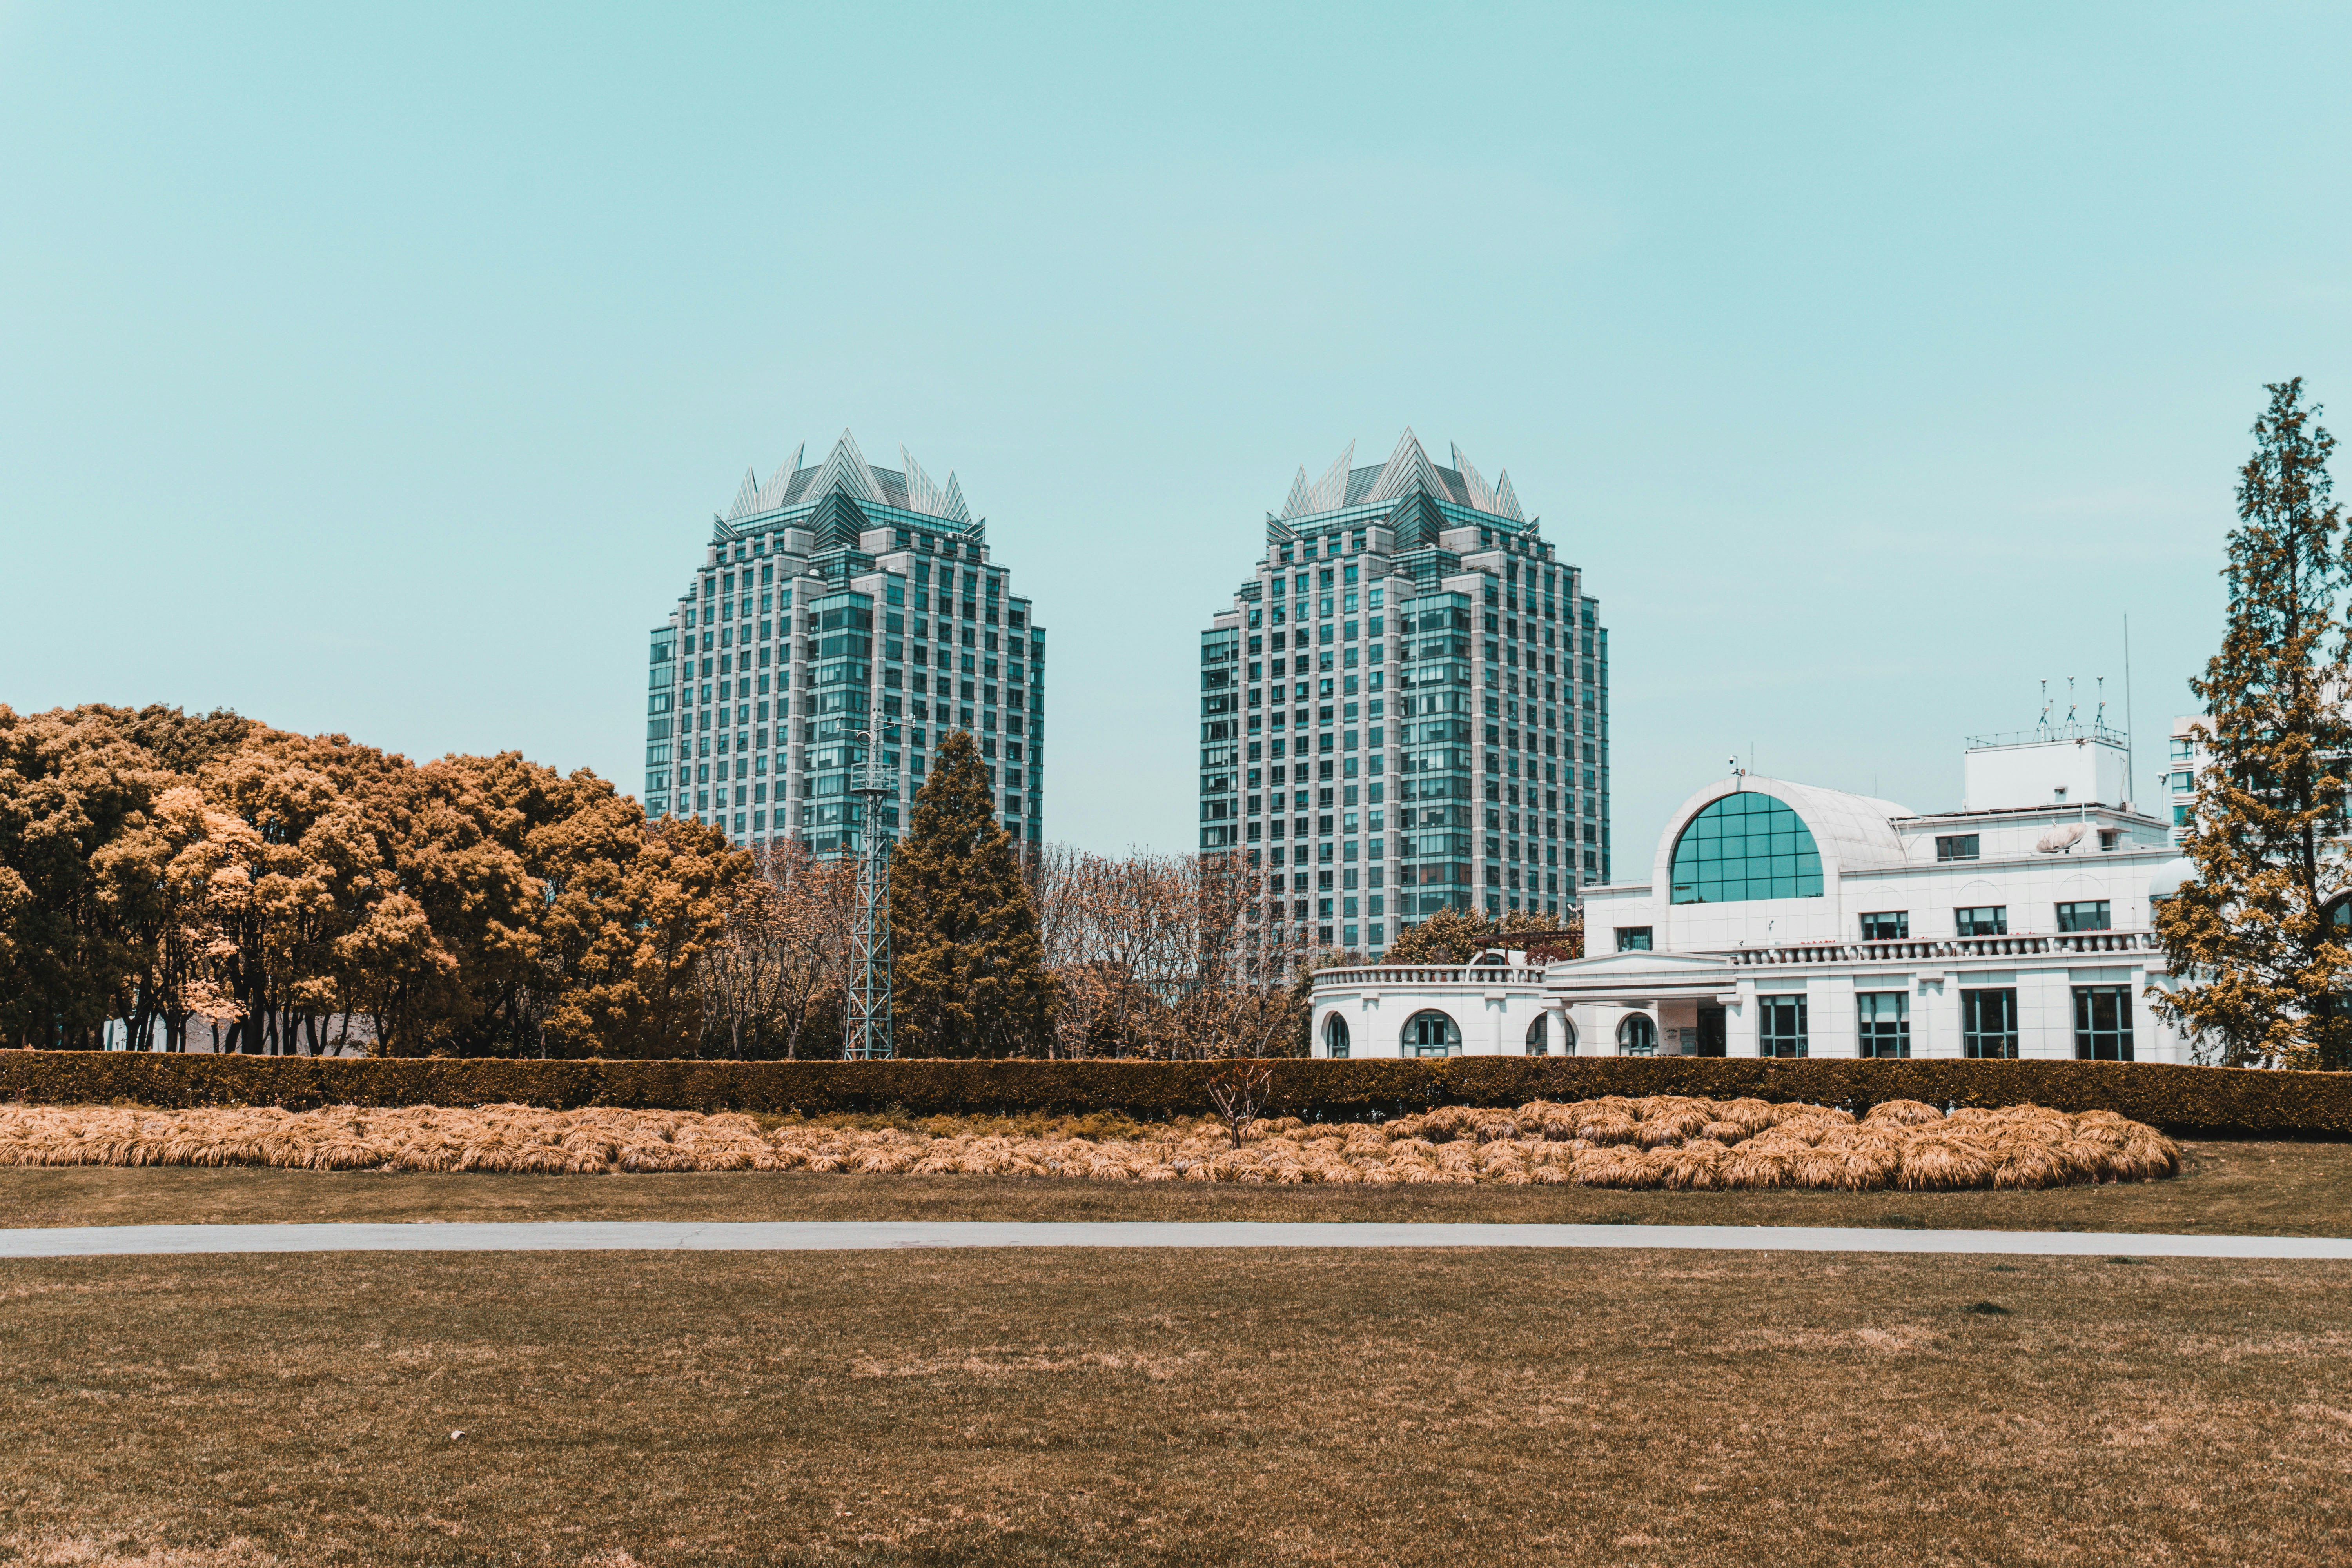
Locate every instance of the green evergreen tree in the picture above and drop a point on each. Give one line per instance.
(2259, 959)
(969, 978)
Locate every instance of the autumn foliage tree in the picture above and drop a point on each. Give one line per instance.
(1456, 936)
(2260, 961)
(302, 892)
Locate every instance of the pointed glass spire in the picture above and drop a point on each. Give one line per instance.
(1301, 500)
(746, 497)
(1331, 490)
(1406, 472)
(772, 494)
(922, 494)
(845, 470)
(1481, 496)
(1506, 503)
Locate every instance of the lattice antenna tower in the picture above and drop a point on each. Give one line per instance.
(868, 1031)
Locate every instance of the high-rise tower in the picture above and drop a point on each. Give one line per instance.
(1406, 709)
(830, 601)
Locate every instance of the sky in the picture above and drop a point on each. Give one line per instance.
(379, 370)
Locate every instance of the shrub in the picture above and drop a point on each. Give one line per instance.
(2187, 1098)
(1806, 1146)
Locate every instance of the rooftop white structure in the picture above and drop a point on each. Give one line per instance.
(1782, 918)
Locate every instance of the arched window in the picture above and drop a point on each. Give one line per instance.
(1637, 1035)
(1746, 845)
(1335, 1037)
(1567, 1036)
(1539, 1036)
(1432, 1034)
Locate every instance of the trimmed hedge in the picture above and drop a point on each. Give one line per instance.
(2184, 1098)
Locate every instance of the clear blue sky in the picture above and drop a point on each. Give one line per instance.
(381, 371)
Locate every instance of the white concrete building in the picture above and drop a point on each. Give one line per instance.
(1780, 919)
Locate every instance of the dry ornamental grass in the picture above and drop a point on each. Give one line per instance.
(1657, 1143)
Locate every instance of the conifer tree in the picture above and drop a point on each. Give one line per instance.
(969, 977)
(2257, 956)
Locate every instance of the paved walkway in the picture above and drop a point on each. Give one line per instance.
(832, 1236)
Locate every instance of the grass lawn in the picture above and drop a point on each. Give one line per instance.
(1159, 1407)
(2243, 1187)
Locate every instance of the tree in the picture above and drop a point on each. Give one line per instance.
(159, 867)
(1457, 936)
(969, 974)
(2259, 960)
(639, 994)
(776, 981)
(1152, 955)
(75, 881)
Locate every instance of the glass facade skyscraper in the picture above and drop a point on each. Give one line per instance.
(1406, 709)
(839, 607)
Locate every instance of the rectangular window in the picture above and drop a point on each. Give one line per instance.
(1956, 847)
(2103, 1022)
(1633, 939)
(1779, 1026)
(1883, 1021)
(2090, 915)
(1893, 925)
(1989, 1024)
(1992, 919)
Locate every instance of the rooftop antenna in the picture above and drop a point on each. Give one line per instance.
(2070, 705)
(2043, 729)
(2131, 778)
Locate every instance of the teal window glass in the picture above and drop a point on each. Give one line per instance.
(1884, 1023)
(1432, 1034)
(1989, 1024)
(1637, 1035)
(1988, 919)
(2089, 915)
(2103, 1022)
(1746, 845)
(1335, 1037)
(1781, 1027)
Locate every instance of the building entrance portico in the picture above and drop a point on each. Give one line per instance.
(1686, 997)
